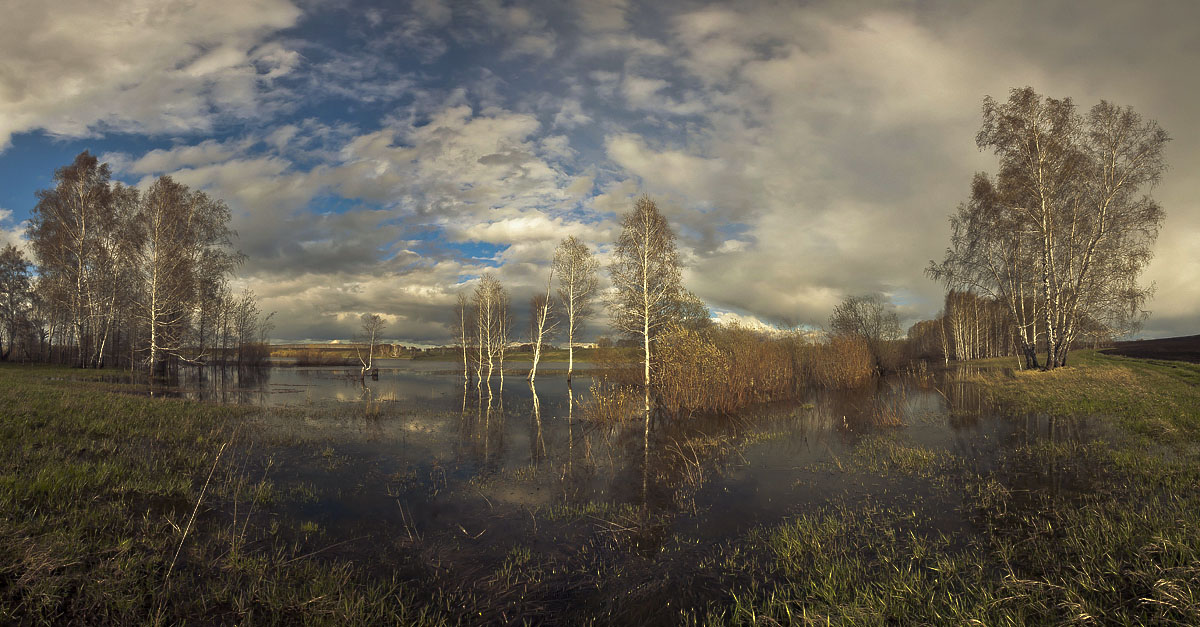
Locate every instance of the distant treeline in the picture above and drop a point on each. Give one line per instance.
(342, 353)
(971, 326)
(129, 278)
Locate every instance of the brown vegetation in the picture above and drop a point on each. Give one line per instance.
(722, 369)
(611, 402)
(311, 357)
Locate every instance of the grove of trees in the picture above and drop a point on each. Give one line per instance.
(1062, 232)
(126, 277)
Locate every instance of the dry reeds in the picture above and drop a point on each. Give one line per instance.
(844, 361)
(611, 402)
(723, 369)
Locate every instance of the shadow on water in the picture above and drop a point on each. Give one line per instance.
(468, 486)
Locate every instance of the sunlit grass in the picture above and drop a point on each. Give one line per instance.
(1153, 398)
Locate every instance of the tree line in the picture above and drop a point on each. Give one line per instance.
(126, 277)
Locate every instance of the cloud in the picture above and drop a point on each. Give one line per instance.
(10, 232)
(602, 15)
(753, 323)
(379, 159)
(80, 68)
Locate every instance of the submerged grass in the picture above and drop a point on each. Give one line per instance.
(1061, 530)
(97, 490)
(117, 508)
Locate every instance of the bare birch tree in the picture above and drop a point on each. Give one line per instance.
(646, 274)
(462, 331)
(15, 293)
(576, 267)
(503, 332)
(541, 323)
(64, 231)
(372, 325)
(179, 242)
(491, 304)
(994, 254)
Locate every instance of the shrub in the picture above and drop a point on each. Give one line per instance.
(611, 402)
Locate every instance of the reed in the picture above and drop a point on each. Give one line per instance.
(724, 369)
(610, 402)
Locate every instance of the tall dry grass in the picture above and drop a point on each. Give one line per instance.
(843, 361)
(611, 402)
(723, 369)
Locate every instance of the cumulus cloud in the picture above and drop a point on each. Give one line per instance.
(81, 68)
(10, 231)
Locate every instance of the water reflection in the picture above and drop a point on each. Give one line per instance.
(493, 458)
(427, 384)
(537, 450)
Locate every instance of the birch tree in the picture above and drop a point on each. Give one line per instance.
(1066, 228)
(576, 267)
(491, 304)
(179, 242)
(462, 331)
(15, 293)
(372, 326)
(64, 231)
(541, 323)
(503, 332)
(994, 253)
(646, 274)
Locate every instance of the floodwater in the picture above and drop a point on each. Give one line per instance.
(418, 475)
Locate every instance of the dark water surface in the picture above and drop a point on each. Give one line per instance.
(459, 487)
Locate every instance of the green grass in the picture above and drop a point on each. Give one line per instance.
(1159, 399)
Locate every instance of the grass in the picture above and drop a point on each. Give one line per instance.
(1100, 528)
(1158, 399)
(97, 495)
(884, 455)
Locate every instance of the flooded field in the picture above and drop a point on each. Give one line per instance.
(972, 495)
(509, 500)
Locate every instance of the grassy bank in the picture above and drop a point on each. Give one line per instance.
(1102, 528)
(1154, 398)
(123, 509)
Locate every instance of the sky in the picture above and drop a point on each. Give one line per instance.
(379, 157)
